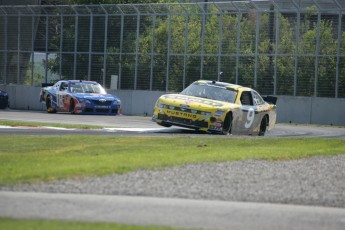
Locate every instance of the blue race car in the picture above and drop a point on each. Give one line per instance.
(79, 97)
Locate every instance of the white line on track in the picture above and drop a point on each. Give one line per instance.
(34, 127)
(135, 129)
(107, 129)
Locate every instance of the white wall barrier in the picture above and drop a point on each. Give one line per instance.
(311, 110)
(302, 110)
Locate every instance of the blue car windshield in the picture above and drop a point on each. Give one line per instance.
(209, 91)
(82, 87)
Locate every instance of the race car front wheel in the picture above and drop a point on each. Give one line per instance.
(71, 106)
(163, 124)
(227, 125)
(263, 126)
(49, 107)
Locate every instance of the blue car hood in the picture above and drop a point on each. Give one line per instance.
(94, 96)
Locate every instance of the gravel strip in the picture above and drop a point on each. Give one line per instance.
(316, 181)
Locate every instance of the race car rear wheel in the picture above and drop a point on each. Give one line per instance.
(49, 107)
(263, 126)
(227, 125)
(71, 106)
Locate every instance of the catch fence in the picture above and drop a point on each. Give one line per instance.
(280, 47)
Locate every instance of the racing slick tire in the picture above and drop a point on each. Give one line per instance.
(164, 124)
(49, 107)
(3, 104)
(71, 106)
(263, 126)
(227, 126)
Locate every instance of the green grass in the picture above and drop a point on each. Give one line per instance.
(39, 124)
(22, 224)
(29, 159)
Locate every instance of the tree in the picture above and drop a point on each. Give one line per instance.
(168, 42)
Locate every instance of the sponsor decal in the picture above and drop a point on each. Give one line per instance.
(171, 107)
(181, 114)
(187, 103)
(184, 106)
(195, 100)
(219, 113)
(218, 123)
(102, 107)
(217, 128)
(250, 118)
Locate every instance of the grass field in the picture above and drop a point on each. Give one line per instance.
(29, 159)
(14, 224)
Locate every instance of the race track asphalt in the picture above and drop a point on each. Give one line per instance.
(182, 213)
(140, 125)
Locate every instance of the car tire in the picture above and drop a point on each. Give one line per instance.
(164, 124)
(263, 126)
(49, 107)
(227, 125)
(71, 106)
(3, 105)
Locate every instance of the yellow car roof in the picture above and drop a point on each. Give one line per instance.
(225, 85)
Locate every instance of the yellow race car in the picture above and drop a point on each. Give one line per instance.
(217, 107)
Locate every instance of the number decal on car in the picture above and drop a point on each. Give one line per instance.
(250, 118)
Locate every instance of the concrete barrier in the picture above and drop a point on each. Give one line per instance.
(311, 110)
(23, 97)
(137, 102)
(302, 110)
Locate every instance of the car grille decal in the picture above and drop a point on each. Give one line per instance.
(184, 110)
(102, 111)
(196, 100)
(98, 102)
(183, 121)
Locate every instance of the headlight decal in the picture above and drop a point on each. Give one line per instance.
(208, 114)
(116, 102)
(83, 100)
(219, 113)
(194, 111)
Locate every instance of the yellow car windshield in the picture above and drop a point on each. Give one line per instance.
(210, 91)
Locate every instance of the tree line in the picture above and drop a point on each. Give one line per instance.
(265, 51)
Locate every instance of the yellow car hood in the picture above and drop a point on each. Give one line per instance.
(196, 103)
